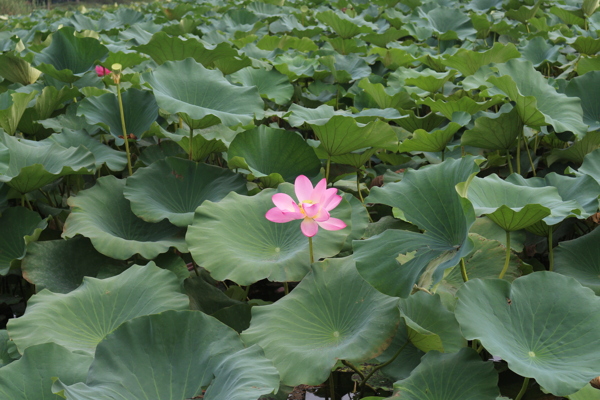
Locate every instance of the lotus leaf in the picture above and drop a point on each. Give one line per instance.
(173, 188)
(79, 320)
(171, 356)
(18, 226)
(104, 215)
(495, 131)
(271, 84)
(580, 87)
(16, 69)
(333, 314)
(343, 25)
(469, 61)
(578, 258)
(12, 108)
(541, 325)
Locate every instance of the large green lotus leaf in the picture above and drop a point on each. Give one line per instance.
(16, 69)
(427, 79)
(346, 68)
(587, 393)
(104, 215)
(295, 66)
(357, 158)
(577, 152)
(33, 165)
(174, 355)
(449, 23)
(487, 228)
(187, 88)
(302, 45)
(163, 48)
(214, 139)
(68, 56)
(406, 361)
(591, 165)
(542, 325)
(173, 188)
(333, 314)
(139, 108)
(580, 87)
(60, 265)
(31, 377)
(5, 350)
(515, 207)
(345, 26)
(12, 108)
(456, 376)
(430, 325)
(433, 141)
(539, 51)
(341, 135)
(469, 61)
(115, 160)
(394, 261)
(18, 226)
(270, 84)
(580, 259)
(79, 320)
(393, 58)
(385, 97)
(233, 240)
(583, 189)
(268, 150)
(484, 262)
(586, 45)
(46, 103)
(494, 131)
(538, 103)
(465, 104)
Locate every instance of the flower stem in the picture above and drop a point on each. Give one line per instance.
(523, 389)
(510, 167)
(529, 156)
(507, 261)
(463, 270)
(519, 153)
(129, 168)
(310, 249)
(286, 288)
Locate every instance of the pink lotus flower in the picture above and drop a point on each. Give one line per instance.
(313, 207)
(101, 71)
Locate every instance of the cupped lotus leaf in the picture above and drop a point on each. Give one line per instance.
(542, 325)
(69, 120)
(524, 13)
(587, 393)
(12, 108)
(233, 240)
(586, 45)
(569, 15)
(139, 108)
(197, 93)
(495, 131)
(450, 23)
(16, 69)
(79, 320)
(394, 261)
(430, 325)
(173, 188)
(487, 228)
(333, 314)
(33, 165)
(382, 38)
(271, 84)
(160, 151)
(515, 207)
(295, 67)
(298, 115)
(577, 152)
(539, 51)
(355, 159)
(163, 48)
(406, 361)
(583, 189)
(103, 214)
(115, 160)
(427, 79)
(467, 62)
(302, 45)
(465, 104)
(433, 141)
(60, 265)
(346, 68)
(393, 58)
(591, 165)
(341, 135)
(455, 376)
(31, 377)
(580, 87)
(587, 64)
(127, 59)
(18, 226)
(538, 103)
(580, 259)
(49, 100)
(345, 26)
(68, 56)
(429, 122)
(174, 355)
(268, 150)
(214, 139)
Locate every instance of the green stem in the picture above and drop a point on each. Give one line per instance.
(286, 288)
(353, 368)
(463, 270)
(191, 143)
(550, 251)
(529, 156)
(247, 291)
(523, 389)
(331, 387)
(510, 167)
(327, 167)
(507, 261)
(310, 249)
(363, 383)
(123, 127)
(519, 153)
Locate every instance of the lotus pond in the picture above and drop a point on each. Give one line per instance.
(243, 200)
